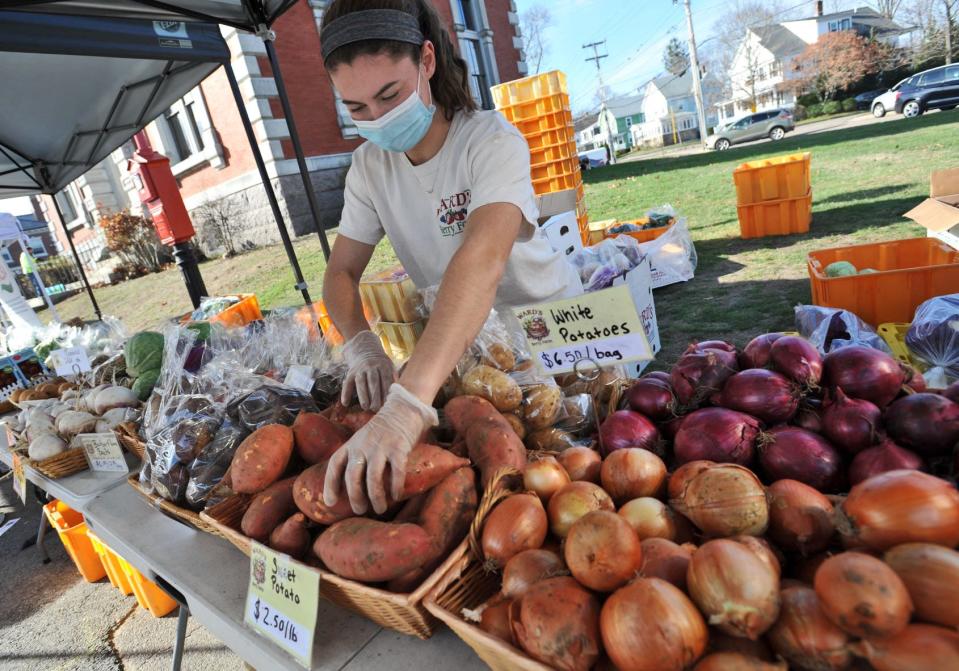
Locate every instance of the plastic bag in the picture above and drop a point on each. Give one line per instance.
(601, 263)
(934, 338)
(211, 464)
(672, 256)
(270, 404)
(830, 328)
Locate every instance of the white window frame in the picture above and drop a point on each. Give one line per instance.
(629, 122)
(481, 37)
(211, 152)
(36, 253)
(72, 193)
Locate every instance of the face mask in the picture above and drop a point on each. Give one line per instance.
(402, 127)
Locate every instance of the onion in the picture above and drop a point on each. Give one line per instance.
(625, 428)
(682, 475)
(901, 507)
(734, 588)
(720, 345)
(724, 500)
(756, 353)
(926, 423)
(529, 567)
(656, 375)
(517, 523)
(804, 636)
(581, 463)
(918, 647)
(652, 397)
(650, 518)
(735, 661)
(863, 596)
(572, 502)
(797, 359)
(952, 392)
(797, 454)
(884, 457)
(557, 623)
(701, 372)
(761, 549)
(671, 428)
(544, 477)
(809, 419)
(914, 379)
(665, 560)
(804, 568)
(721, 642)
(931, 574)
(800, 518)
(717, 434)
(851, 424)
(766, 395)
(602, 551)
(676, 640)
(863, 372)
(494, 618)
(631, 473)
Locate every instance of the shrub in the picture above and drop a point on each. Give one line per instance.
(808, 99)
(800, 112)
(849, 105)
(814, 111)
(134, 240)
(831, 107)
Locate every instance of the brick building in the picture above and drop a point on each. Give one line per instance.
(211, 159)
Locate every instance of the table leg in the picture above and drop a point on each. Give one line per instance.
(181, 621)
(41, 534)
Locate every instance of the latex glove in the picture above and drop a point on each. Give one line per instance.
(370, 371)
(387, 439)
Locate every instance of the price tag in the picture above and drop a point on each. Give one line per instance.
(9, 435)
(102, 451)
(300, 377)
(603, 326)
(19, 479)
(281, 601)
(70, 360)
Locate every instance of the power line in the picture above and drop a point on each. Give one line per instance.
(597, 57)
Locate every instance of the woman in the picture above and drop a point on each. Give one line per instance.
(450, 187)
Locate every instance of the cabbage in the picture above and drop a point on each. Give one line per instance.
(143, 352)
(840, 269)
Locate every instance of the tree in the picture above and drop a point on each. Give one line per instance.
(949, 7)
(676, 57)
(888, 8)
(134, 240)
(216, 218)
(833, 63)
(533, 24)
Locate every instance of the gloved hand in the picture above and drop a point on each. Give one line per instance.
(386, 439)
(370, 372)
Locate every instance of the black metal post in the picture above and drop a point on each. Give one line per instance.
(76, 257)
(185, 258)
(267, 184)
(297, 147)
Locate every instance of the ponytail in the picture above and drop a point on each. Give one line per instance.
(449, 83)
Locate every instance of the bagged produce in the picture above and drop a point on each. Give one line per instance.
(672, 256)
(934, 338)
(270, 404)
(210, 465)
(830, 328)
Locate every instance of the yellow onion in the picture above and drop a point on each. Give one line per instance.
(649, 625)
(572, 502)
(902, 506)
(545, 477)
(517, 523)
(763, 550)
(494, 619)
(665, 560)
(862, 595)
(736, 589)
(682, 475)
(631, 473)
(804, 568)
(931, 574)
(602, 551)
(529, 567)
(736, 661)
(805, 637)
(650, 518)
(800, 517)
(581, 463)
(918, 647)
(721, 642)
(724, 500)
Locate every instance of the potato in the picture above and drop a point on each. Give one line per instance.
(427, 466)
(494, 385)
(268, 509)
(292, 537)
(551, 440)
(492, 445)
(462, 411)
(317, 438)
(73, 422)
(308, 497)
(542, 404)
(448, 511)
(45, 445)
(516, 424)
(363, 549)
(261, 458)
(499, 356)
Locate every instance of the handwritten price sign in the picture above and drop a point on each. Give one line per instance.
(70, 360)
(281, 601)
(19, 479)
(102, 451)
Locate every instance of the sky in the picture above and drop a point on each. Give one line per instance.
(16, 206)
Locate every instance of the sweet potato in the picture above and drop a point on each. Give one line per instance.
(427, 466)
(291, 537)
(492, 445)
(448, 511)
(410, 512)
(363, 549)
(316, 438)
(308, 497)
(261, 458)
(464, 410)
(354, 420)
(268, 509)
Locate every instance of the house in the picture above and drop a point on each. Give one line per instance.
(610, 126)
(43, 244)
(586, 128)
(669, 110)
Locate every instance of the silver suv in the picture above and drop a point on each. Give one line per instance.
(773, 124)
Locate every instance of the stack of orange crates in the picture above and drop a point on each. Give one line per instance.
(774, 196)
(539, 107)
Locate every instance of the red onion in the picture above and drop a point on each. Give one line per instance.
(625, 428)
(766, 395)
(952, 392)
(717, 434)
(713, 344)
(652, 397)
(887, 456)
(788, 452)
(863, 372)
(914, 379)
(701, 372)
(808, 418)
(851, 423)
(927, 423)
(797, 359)
(671, 428)
(756, 353)
(657, 375)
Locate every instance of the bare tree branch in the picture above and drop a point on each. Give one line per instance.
(533, 23)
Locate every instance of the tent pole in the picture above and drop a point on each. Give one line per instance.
(297, 147)
(76, 257)
(267, 184)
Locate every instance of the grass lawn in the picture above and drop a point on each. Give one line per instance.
(864, 179)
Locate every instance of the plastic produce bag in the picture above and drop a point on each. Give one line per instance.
(601, 263)
(270, 404)
(211, 464)
(672, 256)
(830, 328)
(934, 338)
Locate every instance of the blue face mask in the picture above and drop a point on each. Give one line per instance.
(402, 127)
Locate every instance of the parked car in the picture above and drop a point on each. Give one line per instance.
(864, 100)
(937, 88)
(886, 102)
(773, 124)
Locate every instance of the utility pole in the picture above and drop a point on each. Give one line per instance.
(694, 65)
(596, 58)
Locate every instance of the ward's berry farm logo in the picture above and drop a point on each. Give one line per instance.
(534, 324)
(259, 570)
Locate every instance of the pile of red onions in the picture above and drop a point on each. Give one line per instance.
(797, 359)
(625, 428)
(851, 423)
(717, 434)
(788, 452)
(653, 397)
(702, 370)
(885, 457)
(766, 395)
(756, 353)
(926, 423)
(865, 373)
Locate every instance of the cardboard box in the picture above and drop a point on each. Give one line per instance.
(562, 231)
(940, 212)
(557, 202)
(640, 281)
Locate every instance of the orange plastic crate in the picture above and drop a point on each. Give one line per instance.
(582, 223)
(909, 272)
(536, 107)
(535, 86)
(554, 121)
(644, 235)
(568, 166)
(73, 534)
(549, 138)
(111, 562)
(773, 179)
(558, 183)
(147, 594)
(553, 152)
(776, 217)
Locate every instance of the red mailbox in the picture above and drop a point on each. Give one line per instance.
(159, 192)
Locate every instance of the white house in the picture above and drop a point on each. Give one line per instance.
(669, 110)
(599, 130)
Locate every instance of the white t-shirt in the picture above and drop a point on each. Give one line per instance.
(423, 209)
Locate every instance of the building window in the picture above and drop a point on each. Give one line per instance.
(843, 24)
(66, 206)
(37, 249)
(7, 257)
(629, 121)
(475, 42)
(479, 79)
(185, 134)
(776, 69)
(464, 13)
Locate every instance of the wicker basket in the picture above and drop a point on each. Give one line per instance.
(404, 613)
(58, 466)
(128, 435)
(182, 514)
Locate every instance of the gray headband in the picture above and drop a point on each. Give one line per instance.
(370, 24)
